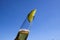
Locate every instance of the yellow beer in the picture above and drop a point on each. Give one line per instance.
(22, 35)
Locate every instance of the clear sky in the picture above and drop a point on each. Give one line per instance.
(46, 25)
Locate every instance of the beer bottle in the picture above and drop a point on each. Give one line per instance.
(25, 28)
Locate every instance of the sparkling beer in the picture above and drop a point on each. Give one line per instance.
(22, 34)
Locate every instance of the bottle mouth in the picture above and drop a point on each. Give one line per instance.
(31, 15)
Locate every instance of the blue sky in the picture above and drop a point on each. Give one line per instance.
(46, 25)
